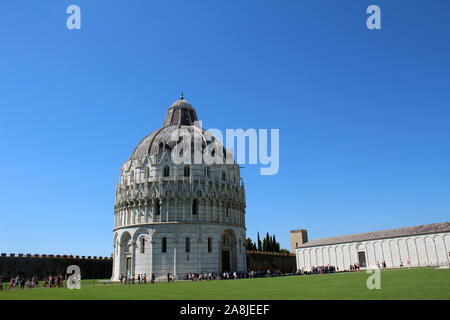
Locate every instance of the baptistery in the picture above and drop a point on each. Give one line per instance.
(180, 203)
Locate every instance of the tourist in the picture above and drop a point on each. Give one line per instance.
(401, 263)
(153, 278)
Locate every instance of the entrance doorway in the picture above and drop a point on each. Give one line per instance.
(128, 266)
(225, 260)
(362, 259)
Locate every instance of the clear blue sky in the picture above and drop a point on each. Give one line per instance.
(364, 116)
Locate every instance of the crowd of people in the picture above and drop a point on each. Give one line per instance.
(142, 278)
(332, 269)
(19, 282)
(318, 270)
(57, 281)
(214, 276)
(132, 279)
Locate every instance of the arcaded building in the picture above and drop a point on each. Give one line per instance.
(179, 217)
(417, 246)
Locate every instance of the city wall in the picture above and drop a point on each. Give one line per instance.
(28, 265)
(261, 261)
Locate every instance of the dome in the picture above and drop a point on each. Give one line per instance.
(180, 115)
(181, 103)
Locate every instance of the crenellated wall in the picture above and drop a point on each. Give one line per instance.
(29, 265)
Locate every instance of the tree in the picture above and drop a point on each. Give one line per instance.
(269, 244)
(248, 244)
(259, 243)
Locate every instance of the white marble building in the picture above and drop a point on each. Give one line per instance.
(178, 218)
(425, 245)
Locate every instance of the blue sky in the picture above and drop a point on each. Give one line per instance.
(364, 116)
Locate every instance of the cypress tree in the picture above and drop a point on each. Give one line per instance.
(259, 243)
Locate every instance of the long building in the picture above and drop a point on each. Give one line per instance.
(424, 245)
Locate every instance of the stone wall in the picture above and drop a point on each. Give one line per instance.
(261, 261)
(43, 265)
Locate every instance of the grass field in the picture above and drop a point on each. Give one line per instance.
(426, 283)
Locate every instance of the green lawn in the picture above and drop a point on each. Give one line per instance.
(427, 283)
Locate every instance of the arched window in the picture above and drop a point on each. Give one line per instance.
(223, 175)
(226, 212)
(194, 207)
(132, 176)
(188, 244)
(209, 244)
(207, 172)
(187, 171)
(164, 245)
(142, 245)
(147, 173)
(157, 207)
(166, 172)
(161, 147)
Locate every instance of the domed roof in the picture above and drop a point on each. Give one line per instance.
(180, 115)
(181, 103)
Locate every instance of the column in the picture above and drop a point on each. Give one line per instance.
(175, 258)
(445, 248)
(407, 250)
(167, 209)
(390, 251)
(199, 256)
(435, 250)
(133, 257)
(152, 243)
(417, 252)
(426, 250)
(183, 205)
